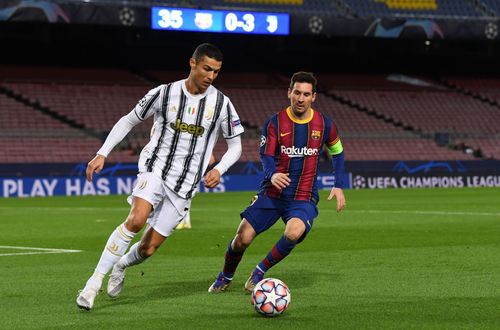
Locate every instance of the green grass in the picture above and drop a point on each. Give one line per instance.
(394, 259)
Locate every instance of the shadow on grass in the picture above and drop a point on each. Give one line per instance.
(135, 293)
(176, 289)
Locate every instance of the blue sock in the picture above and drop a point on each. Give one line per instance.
(232, 259)
(279, 251)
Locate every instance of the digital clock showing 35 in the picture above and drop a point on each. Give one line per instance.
(183, 19)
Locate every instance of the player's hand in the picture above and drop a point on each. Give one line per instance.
(95, 166)
(338, 194)
(280, 180)
(212, 178)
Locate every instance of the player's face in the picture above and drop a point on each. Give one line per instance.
(301, 97)
(204, 72)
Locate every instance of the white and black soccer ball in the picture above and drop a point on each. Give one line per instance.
(315, 24)
(271, 297)
(126, 16)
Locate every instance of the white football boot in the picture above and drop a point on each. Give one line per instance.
(116, 281)
(86, 297)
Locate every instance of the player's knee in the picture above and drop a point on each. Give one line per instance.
(294, 230)
(241, 242)
(293, 236)
(135, 221)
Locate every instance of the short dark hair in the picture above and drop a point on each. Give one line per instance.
(304, 77)
(208, 50)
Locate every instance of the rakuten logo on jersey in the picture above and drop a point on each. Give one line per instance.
(299, 152)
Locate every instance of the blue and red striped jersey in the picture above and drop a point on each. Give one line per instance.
(296, 146)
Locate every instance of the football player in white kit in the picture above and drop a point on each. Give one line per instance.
(188, 115)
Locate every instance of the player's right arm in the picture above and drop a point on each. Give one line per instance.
(95, 166)
(268, 146)
(144, 109)
(118, 132)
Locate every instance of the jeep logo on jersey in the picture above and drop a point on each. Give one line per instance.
(190, 128)
(299, 152)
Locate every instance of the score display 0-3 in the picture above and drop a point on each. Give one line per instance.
(184, 19)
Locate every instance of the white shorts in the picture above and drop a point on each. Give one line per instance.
(168, 208)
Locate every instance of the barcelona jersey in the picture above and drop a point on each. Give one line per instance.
(296, 146)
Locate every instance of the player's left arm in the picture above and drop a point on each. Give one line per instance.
(336, 150)
(231, 131)
(233, 153)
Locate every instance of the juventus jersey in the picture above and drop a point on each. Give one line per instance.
(185, 130)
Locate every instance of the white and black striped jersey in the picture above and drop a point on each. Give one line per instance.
(185, 130)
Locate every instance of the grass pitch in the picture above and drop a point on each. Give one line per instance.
(394, 259)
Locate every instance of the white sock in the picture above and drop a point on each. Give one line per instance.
(95, 281)
(116, 246)
(133, 257)
(187, 218)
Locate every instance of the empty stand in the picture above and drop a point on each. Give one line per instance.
(95, 106)
(493, 5)
(354, 123)
(431, 111)
(87, 96)
(489, 147)
(19, 120)
(60, 74)
(255, 105)
(413, 8)
(486, 87)
(287, 6)
(226, 79)
(418, 104)
(55, 150)
(28, 136)
(367, 129)
(399, 149)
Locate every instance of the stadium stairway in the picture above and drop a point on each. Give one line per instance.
(476, 94)
(485, 92)
(35, 105)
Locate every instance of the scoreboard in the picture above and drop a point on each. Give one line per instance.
(184, 19)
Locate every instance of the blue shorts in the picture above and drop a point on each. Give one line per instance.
(263, 213)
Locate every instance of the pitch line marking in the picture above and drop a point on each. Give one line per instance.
(55, 208)
(33, 250)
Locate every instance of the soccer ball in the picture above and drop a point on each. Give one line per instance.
(270, 297)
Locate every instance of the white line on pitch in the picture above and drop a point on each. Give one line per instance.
(27, 253)
(40, 250)
(43, 208)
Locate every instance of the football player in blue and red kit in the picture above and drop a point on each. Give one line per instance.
(292, 140)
